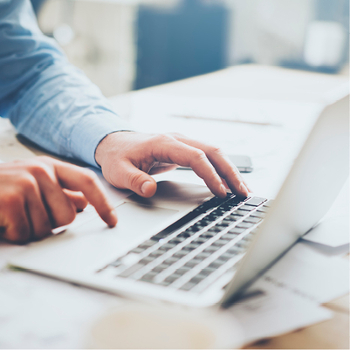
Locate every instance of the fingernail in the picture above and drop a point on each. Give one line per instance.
(223, 189)
(243, 188)
(114, 218)
(144, 186)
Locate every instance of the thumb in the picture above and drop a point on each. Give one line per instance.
(137, 180)
(78, 199)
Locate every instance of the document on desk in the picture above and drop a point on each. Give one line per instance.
(275, 313)
(225, 109)
(294, 286)
(38, 312)
(308, 273)
(333, 230)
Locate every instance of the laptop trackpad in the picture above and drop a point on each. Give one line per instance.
(134, 220)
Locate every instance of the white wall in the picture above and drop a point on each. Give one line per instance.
(103, 42)
(267, 30)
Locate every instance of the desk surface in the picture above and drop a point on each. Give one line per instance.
(245, 82)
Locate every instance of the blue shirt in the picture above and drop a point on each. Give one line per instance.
(48, 100)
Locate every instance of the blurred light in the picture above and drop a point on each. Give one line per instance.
(64, 34)
(324, 44)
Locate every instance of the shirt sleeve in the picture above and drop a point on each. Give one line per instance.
(48, 100)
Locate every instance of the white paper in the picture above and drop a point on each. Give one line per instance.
(305, 272)
(333, 230)
(276, 313)
(38, 312)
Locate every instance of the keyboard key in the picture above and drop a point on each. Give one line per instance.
(236, 230)
(163, 283)
(214, 229)
(182, 270)
(167, 246)
(190, 247)
(246, 207)
(206, 271)
(220, 242)
(229, 236)
(258, 214)
(146, 260)
(236, 200)
(184, 235)
(137, 250)
(218, 212)
(115, 263)
(216, 264)
(235, 250)
(194, 228)
(181, 253)
(192, 263)
(171, 260)
(222, 227)
(131, 270)
(202, 256)
(177, 240)
(234, 217)
(225, 257)
(200, 240)
(188, 286)
(252, 219)
(148, 277)
(241, 212)
(160, 268)
(204, 222)
(255, 201)
(172, 278)
(159, 236)
(196, 279)
(147, 244)
(208, 235)
(263, 209)
(245, 224)
(268, 203)
(227, 206)
(211, 249)
(156, 254)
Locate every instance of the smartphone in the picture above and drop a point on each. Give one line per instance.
(243, 163)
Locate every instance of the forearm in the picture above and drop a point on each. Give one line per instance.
(48, 100)
(65, 113)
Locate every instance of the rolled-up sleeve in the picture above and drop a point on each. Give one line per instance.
(48, 100)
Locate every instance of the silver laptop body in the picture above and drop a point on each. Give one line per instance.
(183, 246)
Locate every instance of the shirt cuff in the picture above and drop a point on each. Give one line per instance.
(90, 131)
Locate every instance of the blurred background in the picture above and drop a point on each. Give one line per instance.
(125, 45)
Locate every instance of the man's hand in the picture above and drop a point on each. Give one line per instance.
(39, 195)
(127, 159)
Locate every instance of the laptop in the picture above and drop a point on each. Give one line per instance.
(186, 246)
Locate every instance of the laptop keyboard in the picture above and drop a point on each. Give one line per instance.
(199, 248)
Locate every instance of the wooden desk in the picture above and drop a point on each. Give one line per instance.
(243, 82)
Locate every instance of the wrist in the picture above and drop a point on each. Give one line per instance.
(106, 144)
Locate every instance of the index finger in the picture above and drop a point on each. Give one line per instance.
(86, 181)
(222, 165)
(175, 151)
